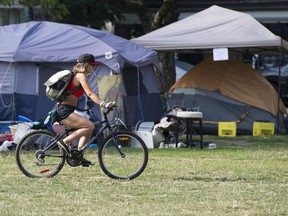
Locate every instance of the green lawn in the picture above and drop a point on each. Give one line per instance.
(242, 176)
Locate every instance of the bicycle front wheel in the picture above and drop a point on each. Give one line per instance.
(124, 156)
(39, 156)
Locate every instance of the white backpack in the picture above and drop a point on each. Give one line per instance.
(57, 84)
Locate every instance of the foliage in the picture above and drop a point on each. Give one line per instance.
(56, 9)
(84, 12)
(94, 14)
(166, 14)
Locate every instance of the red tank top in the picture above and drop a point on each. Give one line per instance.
(71, 86)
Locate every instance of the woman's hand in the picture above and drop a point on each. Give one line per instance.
(108, 104)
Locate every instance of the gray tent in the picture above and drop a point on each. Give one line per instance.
(215, 27)
(33, 51)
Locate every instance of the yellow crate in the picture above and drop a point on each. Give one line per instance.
(263, 129)
(227, 129)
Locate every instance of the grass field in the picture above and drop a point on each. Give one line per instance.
(243, 176)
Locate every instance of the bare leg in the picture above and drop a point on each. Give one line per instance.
(84, 131)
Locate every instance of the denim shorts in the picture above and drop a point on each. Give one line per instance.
(63, 111)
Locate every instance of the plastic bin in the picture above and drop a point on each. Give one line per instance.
(263, 129)
(227, 129)
(144, 126)
(13, 128)
(147, 137)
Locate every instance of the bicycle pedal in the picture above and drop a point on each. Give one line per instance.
(87, 165)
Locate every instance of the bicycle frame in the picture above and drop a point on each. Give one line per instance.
(104, 125)
(121, 155)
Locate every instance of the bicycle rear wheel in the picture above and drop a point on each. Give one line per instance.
(39, 156)
(128, 165)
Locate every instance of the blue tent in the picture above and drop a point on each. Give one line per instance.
(31, 52)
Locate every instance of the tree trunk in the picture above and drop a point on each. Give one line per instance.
(168, 70)
(167, 14)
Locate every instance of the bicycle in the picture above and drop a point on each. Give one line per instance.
(121, 155)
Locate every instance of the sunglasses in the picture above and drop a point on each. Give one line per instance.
(92, 65)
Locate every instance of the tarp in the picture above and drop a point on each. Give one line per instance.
(215, 27)
(31, 52)
(225, 90)
(55, 42)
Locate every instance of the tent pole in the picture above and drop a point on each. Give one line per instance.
(279, 89)
(139, 93)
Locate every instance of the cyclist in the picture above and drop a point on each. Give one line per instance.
(65, 110)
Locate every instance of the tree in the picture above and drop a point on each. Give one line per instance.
(79, 12)
(94, 14)
(166, 14)
(55, 10)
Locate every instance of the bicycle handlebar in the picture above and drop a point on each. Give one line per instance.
(90, 105)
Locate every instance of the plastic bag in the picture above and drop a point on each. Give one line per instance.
(6, 146)
(157, 136)
(22, 129)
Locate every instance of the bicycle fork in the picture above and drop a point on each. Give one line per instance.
(117, 144)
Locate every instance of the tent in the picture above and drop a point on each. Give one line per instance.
(229, 91)
(31, 52)
(215, 27)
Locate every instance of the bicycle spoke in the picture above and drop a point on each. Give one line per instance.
(36, 162)
(127, 166)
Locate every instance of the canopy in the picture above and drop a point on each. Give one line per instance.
(215, 27)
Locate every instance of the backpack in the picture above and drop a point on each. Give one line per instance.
(57, 84)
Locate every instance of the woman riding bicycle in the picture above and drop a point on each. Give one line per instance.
(65, 110)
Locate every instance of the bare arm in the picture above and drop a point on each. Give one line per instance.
(82, 78)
